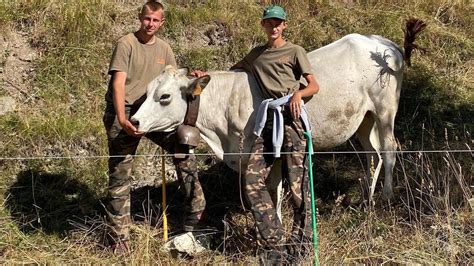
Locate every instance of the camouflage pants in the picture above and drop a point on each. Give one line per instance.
(121, 149)
(294, 169)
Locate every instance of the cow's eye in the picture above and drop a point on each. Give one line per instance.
(165, 99)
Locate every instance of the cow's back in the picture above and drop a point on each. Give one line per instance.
(349, 73)
(353, 75)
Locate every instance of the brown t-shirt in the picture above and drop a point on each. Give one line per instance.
(141, 62)
(277, 70)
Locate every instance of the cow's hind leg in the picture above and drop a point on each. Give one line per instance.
(385, 121)
(368, 136)
(389, 146)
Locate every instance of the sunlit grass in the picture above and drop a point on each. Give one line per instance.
(61, 117)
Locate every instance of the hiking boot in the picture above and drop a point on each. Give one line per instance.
(202, 221)
(122, 247)
(298, 247)
(204, 238)
(272, 257)
(193, 222)
(118, 245)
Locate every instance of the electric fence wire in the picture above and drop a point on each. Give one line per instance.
(226, 154)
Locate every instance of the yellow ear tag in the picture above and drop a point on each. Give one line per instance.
(197, 90)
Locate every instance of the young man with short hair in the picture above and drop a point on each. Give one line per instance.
(277, 67)
(137, 59)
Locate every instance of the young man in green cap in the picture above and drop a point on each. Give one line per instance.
(278, 66)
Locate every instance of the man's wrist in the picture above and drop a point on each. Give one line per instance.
(297, 94)
(122, 121)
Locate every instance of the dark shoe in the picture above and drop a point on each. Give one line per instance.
(298, 247)
(204, 238)
(118, 245)
(201, 221)
(194, 222)
(121, 247)
(272, 257)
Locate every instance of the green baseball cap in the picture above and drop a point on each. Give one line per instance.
(274, 12)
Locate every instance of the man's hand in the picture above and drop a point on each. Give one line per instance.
(130, 129)
(295, 105)
(199, 73)
(311, 89)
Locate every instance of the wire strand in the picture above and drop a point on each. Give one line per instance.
(225, 154)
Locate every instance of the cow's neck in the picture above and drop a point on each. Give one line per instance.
(212, 115)
(225, 109)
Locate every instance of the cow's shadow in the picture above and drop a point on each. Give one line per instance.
(227, 211)
(44, 201)
(224, 195)
(221, 189)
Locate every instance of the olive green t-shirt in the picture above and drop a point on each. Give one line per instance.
(277, 70)
(141, 62)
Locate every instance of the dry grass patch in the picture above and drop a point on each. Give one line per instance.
(50, 208)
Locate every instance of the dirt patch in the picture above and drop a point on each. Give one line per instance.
(17, 65)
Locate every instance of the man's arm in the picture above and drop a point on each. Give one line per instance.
(310, 89)
(118, 85)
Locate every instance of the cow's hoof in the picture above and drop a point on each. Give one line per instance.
(387, 193)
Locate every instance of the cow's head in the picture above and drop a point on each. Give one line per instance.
(166, 103)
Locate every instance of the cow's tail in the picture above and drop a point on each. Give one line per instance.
(413, 26)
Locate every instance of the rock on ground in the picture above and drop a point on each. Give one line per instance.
(7, 104)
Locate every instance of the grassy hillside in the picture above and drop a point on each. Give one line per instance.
(52, 175)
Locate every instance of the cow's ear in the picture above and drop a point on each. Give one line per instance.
(183, 71)
(197, 85)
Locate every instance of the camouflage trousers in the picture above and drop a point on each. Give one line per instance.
(294, 171)
(122, 147)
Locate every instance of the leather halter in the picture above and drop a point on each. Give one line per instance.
(193, 110)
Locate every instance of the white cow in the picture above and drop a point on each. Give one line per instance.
(360, 78)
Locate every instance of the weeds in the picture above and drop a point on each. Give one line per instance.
(50, 211)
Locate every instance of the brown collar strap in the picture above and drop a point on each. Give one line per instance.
(192, 111)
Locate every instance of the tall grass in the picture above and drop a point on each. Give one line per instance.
(50, 208)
